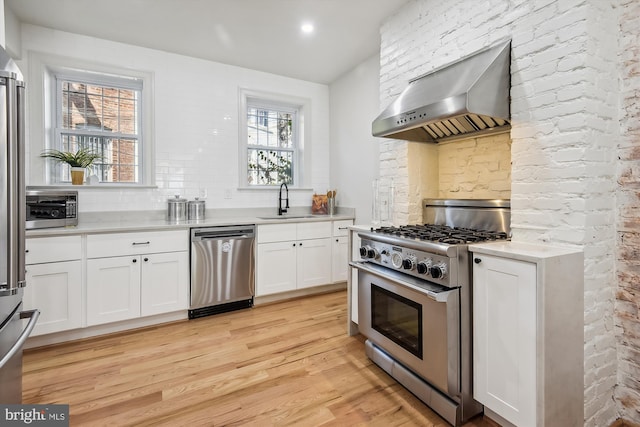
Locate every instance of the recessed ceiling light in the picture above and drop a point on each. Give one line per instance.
(307, 28)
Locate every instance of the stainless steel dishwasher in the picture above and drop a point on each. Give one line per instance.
(222, 269)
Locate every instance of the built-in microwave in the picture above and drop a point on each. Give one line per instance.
(51, 208)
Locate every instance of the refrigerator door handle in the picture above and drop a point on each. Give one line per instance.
(32, 315)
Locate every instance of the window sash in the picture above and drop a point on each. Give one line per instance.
(261, 173)
(120, 169)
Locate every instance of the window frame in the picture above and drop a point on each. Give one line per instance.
(111, 81)
(262, 105)
(301, 160)
(43, 112)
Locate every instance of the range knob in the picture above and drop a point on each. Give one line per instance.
(368, 252)
(438, 271)
(408, 264)
(423, 267)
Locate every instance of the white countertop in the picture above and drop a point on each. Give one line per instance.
(523, 251)
(124, 221)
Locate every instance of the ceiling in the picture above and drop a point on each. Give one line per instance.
(263, 35)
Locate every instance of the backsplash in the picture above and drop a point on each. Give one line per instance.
(196, 125)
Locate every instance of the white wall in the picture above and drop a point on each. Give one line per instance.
(354, 151)
(195, 124)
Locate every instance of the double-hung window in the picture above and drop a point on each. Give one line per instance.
(103, 115)
(272, 143)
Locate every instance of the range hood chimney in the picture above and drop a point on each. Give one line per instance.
(465, 98)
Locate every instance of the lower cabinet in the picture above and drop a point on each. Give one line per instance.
(528, 309)
(54, 282)
(164, 285)
(293, 256)
(121, 288)
(113, 289)
(504, 297)
(340, 251)
(56, 290)
(136, 274)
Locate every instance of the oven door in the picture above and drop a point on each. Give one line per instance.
(416, 322)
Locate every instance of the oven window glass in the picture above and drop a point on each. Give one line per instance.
(397, 318)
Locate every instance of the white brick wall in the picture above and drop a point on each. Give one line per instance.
(564, 134)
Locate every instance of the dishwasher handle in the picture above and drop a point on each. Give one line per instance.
(212, 233)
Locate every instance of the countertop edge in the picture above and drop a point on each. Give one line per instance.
(123, 225)
(524, 251)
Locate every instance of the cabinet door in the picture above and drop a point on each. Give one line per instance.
(113, 289)
(56, 290)
(276, 268)
(340, 256)
(165, 283)
(504, 340)
(314, 262)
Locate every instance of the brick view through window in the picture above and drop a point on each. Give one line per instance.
(271, 144)
(106, 120)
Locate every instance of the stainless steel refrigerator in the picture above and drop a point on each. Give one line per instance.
(15, 324)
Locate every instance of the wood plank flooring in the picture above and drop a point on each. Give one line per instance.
(287, 363)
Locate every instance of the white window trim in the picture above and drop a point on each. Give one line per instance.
(302, 165)
(41, 91)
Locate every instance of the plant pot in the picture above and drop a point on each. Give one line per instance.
(77, 176)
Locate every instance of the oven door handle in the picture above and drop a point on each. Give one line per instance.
(439, 296)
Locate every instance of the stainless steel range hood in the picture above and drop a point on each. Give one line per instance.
(464, 98)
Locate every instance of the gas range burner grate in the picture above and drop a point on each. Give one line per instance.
(442, 233)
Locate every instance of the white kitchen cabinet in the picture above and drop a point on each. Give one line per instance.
(293, 256)
(136, 274)
(54, 283)
(340, 250)
(164, 283)
(528, 333)
(313, 262)
(276, 268)
(113, 289)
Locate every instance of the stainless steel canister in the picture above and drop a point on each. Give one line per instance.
(195, 209)
(176, 209)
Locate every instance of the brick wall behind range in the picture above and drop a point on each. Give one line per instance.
(564, 108)
(628, 293)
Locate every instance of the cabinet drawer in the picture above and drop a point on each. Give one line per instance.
(276, 233)
(52, 249)
(118, 244)
(314, 230)
(340, 227)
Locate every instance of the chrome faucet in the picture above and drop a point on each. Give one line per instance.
(282, 210)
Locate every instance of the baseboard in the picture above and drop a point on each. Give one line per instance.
(323, 289)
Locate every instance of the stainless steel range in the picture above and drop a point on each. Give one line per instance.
(415, 299)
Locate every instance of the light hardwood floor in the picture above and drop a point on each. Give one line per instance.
(288, 363)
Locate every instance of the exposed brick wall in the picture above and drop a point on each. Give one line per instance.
(476, 168)
(564, 104)
(628, 293)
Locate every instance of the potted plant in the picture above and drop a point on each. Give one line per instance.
(78, 161)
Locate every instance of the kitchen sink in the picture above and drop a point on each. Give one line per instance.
(289, 216)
